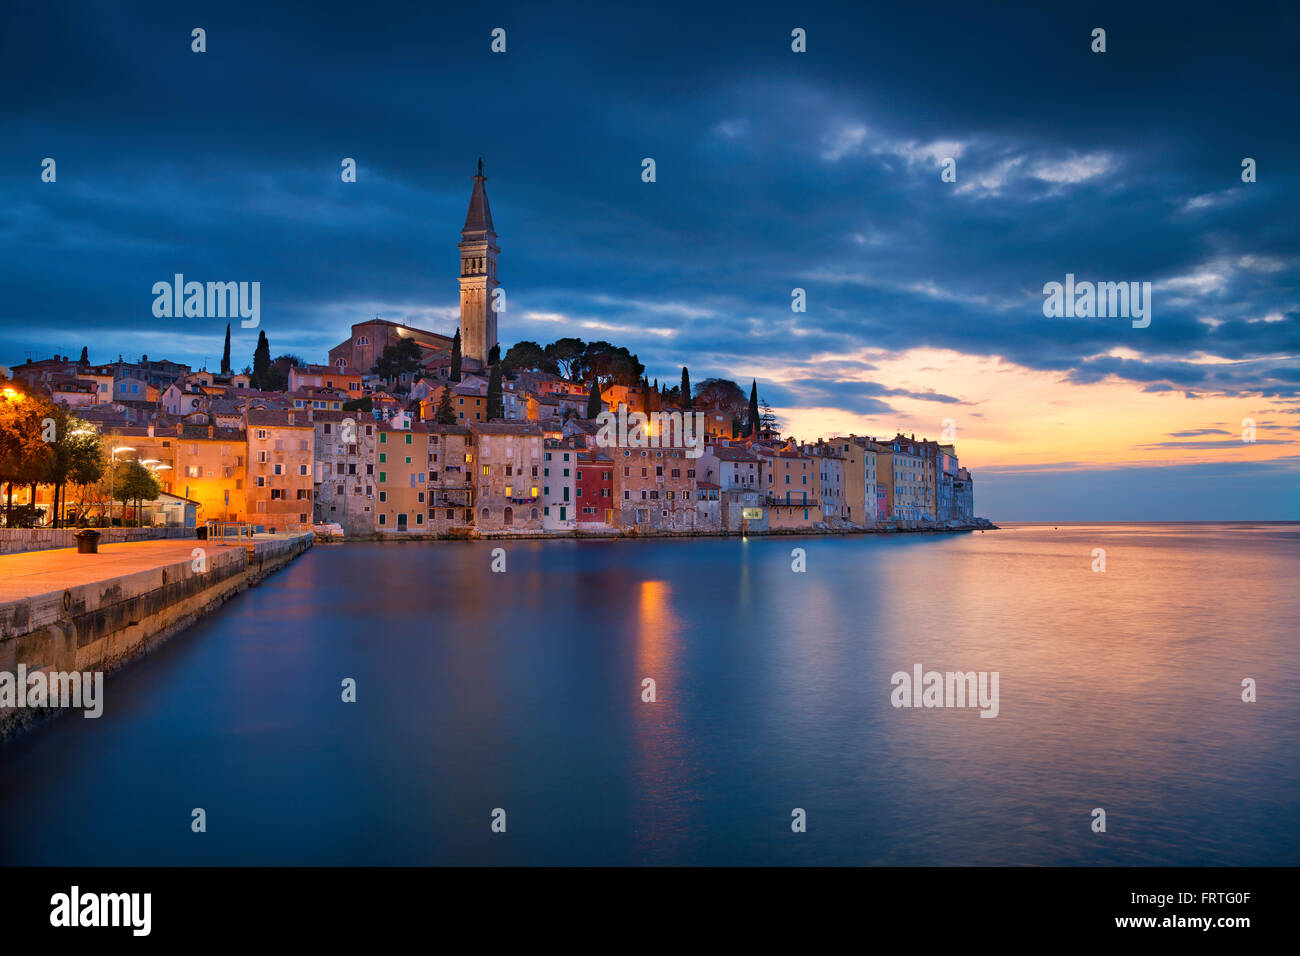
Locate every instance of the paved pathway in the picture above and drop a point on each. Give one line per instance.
(31, 573)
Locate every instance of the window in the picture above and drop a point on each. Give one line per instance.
(383, 477)
(383, 519)
(383, 496)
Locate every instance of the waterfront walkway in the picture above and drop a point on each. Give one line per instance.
(33, 573)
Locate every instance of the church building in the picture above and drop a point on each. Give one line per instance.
(478, 279)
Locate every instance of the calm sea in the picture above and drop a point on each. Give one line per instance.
(522, 691)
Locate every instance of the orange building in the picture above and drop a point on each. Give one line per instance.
(204, 463)
(792, 487)
(280, 473)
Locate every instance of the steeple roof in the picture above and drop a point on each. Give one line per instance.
(478, 222)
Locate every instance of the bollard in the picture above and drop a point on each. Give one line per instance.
(87, 541)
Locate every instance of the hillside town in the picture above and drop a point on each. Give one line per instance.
(405, 432)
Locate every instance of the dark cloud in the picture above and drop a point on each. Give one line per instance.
(775, 171)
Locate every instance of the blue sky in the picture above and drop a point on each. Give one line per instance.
(775, 170)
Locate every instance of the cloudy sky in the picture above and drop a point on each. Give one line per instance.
(775, 171)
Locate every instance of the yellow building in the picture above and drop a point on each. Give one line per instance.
(860, 485)
(401, 477)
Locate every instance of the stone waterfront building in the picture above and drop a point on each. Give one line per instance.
(507, 476)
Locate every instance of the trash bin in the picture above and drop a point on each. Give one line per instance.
(87, 541)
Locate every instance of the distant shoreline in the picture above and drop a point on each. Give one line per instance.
(616, 535)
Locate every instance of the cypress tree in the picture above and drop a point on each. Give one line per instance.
(496, 408)
(752, 427)
(261, 361)
(455, 357)
(494, 355)
(686, 388)
(445, 414)
(225, 355)
(593, 399)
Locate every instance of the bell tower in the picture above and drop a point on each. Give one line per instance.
(478, 278)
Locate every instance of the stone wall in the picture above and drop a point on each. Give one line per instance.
(103, 625)
(14, 540)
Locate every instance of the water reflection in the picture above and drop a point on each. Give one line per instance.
(661, 805)
(522, 690)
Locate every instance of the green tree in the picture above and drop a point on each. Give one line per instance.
(684, 396)
(58, 463)
(495, 404)
(751, 428)
(455, 357)
(135, 483)
(721, 393)
(529, 357)
(87, 460)
(568, 354)
(261, 361)
(594, 404)
(445, 414)
(23, 450)
(494, 355)
(225, 355)
(85, 356)
(397, 359)
(615, 365)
